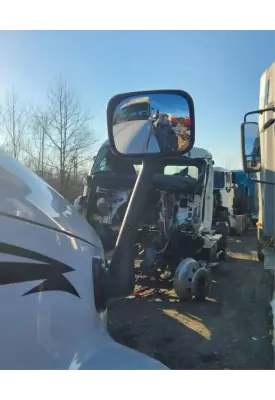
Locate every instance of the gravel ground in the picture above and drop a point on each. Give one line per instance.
(230, 330)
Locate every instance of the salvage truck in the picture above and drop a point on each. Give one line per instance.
(246, 196)
(227, 206)
(175, 232)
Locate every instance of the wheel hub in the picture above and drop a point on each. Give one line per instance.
(192, 278)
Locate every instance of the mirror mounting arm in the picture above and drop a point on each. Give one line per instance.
(121, 272)
(261, 111)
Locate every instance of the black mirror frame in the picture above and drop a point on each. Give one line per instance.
(115, 100)
(247, 170)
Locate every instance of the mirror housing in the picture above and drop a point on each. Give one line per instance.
(250, 147)
(135, 130)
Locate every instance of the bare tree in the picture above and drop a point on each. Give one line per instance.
(39, 146)
(14, 122)
(70, 137)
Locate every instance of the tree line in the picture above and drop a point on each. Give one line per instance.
(55, 141)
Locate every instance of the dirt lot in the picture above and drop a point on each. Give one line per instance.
(230, 330)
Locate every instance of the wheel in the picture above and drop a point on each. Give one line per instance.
(192, 279)
(202, 285)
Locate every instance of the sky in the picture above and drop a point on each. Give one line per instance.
(221, 70)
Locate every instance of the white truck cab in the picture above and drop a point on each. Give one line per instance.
(52, 314)
(224, 183)
(258, 144)
(224, 189)
(266, 194)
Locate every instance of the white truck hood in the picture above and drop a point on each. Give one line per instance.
(135, 137)
(117, 357)
(24, 195)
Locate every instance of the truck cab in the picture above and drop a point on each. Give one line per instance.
(225, 201)
(266, 196)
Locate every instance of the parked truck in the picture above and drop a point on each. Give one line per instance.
(262, 163)
(258, 145)
(226, 205)
(245, 196)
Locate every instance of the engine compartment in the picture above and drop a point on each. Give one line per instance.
(171, 196)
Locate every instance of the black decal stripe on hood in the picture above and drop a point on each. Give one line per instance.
(47, 269)
(32, 255)
(60, 283)
(16, 272)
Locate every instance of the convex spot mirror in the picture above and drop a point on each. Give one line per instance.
(151, 123)
(250, 142)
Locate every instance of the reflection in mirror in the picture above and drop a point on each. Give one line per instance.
(252, 146)
(153, 123)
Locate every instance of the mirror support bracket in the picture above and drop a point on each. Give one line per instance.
(121, 272)
(261, 111)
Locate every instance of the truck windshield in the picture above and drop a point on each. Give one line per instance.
(191, 171)
(218, 180)
(134, 112)
(100, 163)
(106, 161)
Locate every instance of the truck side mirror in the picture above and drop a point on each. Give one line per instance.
(136, 136)
(250, 145)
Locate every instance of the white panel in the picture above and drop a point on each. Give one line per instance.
(267, 192)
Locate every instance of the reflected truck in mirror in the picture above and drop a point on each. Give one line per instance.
(152, 124)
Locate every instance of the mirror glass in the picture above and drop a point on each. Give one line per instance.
(152, 123)
(251, 142)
